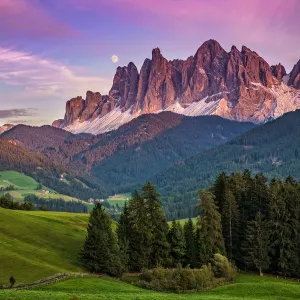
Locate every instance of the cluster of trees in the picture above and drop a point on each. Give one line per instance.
(260, 221)
(56, 204)
(74, 188)
(144, 240)
(7, 188)
(8, 203)
(255, 223)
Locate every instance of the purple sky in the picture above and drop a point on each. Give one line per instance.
(53, 50)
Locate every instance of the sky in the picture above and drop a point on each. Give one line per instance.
(54, 50)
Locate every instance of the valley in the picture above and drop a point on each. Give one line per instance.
(159, 178)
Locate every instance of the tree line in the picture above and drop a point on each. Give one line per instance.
(144, 240)
(58, 204)
(254, 223)
(260, 221)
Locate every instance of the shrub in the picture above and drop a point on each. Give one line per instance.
(223, 268)
(204, 278)
(12, 281)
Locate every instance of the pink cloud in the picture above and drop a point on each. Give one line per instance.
(270, 27)
(27, 19)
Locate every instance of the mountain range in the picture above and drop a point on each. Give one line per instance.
(237, 85)
(176, 123)
(131, 154)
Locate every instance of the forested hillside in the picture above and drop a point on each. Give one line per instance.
(47, 172)
(272, 148)
(136, 164)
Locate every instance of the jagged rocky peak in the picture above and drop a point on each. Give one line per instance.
(278, 71)
(125, 85)
(294, 78)
(74, 108)
(238, 85)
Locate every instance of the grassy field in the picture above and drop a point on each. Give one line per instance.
(119, 199)
(36, 244)
(246, 287)
(26, 185)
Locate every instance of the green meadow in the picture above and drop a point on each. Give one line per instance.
(119, 199)
(246, 287)
(25, 185)
(36, 244)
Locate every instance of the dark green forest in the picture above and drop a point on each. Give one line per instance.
(272, 149)
(255, 224)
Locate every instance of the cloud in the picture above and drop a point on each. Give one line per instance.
(40, 77)
(16, 112)
(28, 19)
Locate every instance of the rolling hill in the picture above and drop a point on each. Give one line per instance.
(37, 244)
(133, 153)
(47, 172)
(25, 185)
(246, 287)
(272, 148)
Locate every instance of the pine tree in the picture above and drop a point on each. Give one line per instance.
(210, 228)
(139, 235)
(190, 247)
(257, 244)
(219, 188)
(230, 224)
(159, 227)
(100, 252)
(123, 231)
(177, 243)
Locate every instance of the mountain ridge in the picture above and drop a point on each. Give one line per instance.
(238, 85)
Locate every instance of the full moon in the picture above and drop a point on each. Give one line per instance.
(114, 59)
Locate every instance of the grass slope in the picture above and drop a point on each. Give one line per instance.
(37, 244)
(119, 199)
(26, 185)
(247, 287)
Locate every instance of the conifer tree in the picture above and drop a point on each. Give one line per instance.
(158, 225)
(230, 224)
(219, 188)
(123, 231)
(257, 244)
(210, 227)
(100, 252)
(177, 243)
(190, 247)
(139, 235)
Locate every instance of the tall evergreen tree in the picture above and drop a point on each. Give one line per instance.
(230, 224)
(159, 227)
(210, 227)
(100, 252)
(219, 189)
(123, 231)
(139, 235)
(177, 243)
(190, 247)
(257, 244)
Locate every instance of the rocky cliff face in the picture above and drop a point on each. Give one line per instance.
(238, 85)
(294, 77)
(6, 127)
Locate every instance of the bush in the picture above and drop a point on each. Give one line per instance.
(12, 281)
(223, 268)
(181, 280)
(204, 278)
